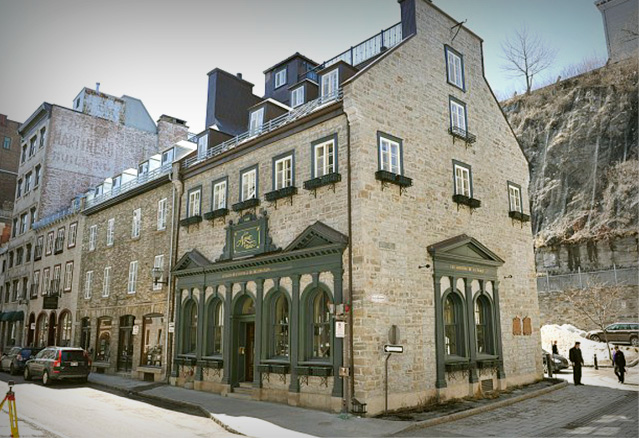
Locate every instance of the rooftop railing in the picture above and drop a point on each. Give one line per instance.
(140, 180)
(75, 207)
(271, 125)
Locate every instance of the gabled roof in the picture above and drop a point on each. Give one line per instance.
(464, 248)
(317, 234)
(192, 259)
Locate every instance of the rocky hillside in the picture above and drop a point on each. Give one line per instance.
(580, 137)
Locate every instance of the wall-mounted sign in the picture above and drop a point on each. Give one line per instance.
(340, 329)
(467, 269)
(32, 326)
(246, 240)
(136, 329)
(393, 348)
(248, 237)
(171, 327)
(50, 303)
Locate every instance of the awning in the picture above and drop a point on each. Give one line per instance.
(7, 316)
(17, 316)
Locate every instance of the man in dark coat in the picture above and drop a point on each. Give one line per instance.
(555, 349)
(619, 362)
(574, 354)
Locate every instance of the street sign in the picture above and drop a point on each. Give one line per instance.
(171, 327)
(393, 348)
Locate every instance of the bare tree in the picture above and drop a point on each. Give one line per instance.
(598, 304)
(527, 55)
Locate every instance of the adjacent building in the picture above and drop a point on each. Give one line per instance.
(9, 162)
(621, 21)
(377, 199)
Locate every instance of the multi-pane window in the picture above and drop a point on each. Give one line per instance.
(189, 327)
(514, 197)
(88, 284)
(162, 211)
(43, 136)
(73, 231)
(106, 283)
(32, 217)
(330, 83)
(19, 189)
(249, 184)
(167, 157)
(50, 239)
(458, 116)
(219, 195)
(7, 143)
(283, 169)
(215, 327)
(110, 234)
(195, 197)
(59, 240)
(68, 276)
(280, 77)
(143, 168)
(27, 182)
(390, 154)
(133, 277)
(93, 235)
(482, 325)
(462, 180)
(24, 152)
(46, 276)
(35, 284)
(38, 174)
(158, 263)
(320, 326)
(297, 97)
(32, 146)
(454, 68)
(255, 122)
(55, 283)
(24, 223)
(324, 158)
(280, 326)
(137, 222)
(38, 248)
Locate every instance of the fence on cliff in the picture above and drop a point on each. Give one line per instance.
(627, 276)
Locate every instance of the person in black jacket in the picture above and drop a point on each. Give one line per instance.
(619, 362)
(555, 349)
(574, 354)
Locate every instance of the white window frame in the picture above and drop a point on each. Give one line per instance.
(280, 78)
(458, 116)
(57, 270)
(106, 282)
(73, 231)
(219, 195)
(454, 68)
(297, 97)
(514, 197)
(323, 154)
(93, 234)
(256, 120)
(390, 155)
(68, 276)
(110, 234)
(463, 185)
(246, 192)
(162, 211)
(137, 223)
(330, 83)
(133, 277)
(88, 283)
(195, 202)
(35, 283)
(46, 281)
(158, 262)
(283, 169)
(27, 183)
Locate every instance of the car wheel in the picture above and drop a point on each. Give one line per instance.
(634, 341)
(595, 338)
(27, 373)
(46, 381)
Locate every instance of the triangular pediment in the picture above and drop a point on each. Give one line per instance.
(190, 260)
(315, 235)
(464, 248)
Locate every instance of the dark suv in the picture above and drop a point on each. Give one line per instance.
(618, 333)
(14, 360)
(58, 363)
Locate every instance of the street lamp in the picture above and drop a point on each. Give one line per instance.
(157, 273)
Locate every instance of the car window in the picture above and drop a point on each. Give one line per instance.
(42, 354)
(25, 353)
(72, 355)
(611, 327)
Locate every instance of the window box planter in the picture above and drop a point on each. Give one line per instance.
(487, 363)
(465, 200)
(303, 371)
(457, 366)
(393, 178)
(250, 203)
(463, 135)
(220, 212)
(186, 360)
(190, 220)
(519, 216)
(325, 180)
(281, 193)
(214, 364)
(276, 368)
(321, 371)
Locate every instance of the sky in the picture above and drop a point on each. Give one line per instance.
(160, 51)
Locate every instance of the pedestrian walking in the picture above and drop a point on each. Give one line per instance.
(574, 354)
(619, 362)
(555, 349)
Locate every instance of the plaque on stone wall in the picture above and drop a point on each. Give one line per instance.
(50, 303)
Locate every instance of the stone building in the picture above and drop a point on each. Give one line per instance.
(128, 229)
(621, 21)
(377, 198)
(64, 151)
(9, 162)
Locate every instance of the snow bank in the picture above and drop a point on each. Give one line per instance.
(566, 335)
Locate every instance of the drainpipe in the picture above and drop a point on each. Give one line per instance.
(348, 394)
(175, 231)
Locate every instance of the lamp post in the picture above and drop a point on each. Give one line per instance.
(156, 274)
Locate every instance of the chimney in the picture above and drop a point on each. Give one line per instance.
(239, 75)
(409, 23)
(229, 98)
(97, 87)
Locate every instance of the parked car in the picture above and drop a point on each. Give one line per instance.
(558, 362)
(14, 360)
(58, 363)
(618, 333)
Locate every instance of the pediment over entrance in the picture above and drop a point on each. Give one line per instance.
(315, 235)
(190, 260)
(465, 249)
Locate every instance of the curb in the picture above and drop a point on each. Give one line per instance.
(470, 412)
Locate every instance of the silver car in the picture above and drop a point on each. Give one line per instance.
(617, 333)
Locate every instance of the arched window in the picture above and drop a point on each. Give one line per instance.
(279, 321)
(103, 347)
(320, 325)
(483, 325)
(453, 325)
(189, 327)
(64, 328)
(42, 328)
(214, 327)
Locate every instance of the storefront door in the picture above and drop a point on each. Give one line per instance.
(125, 343)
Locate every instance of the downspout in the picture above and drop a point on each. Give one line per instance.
(349, 295)
(171, 293)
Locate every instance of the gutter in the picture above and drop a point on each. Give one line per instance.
(348, 395)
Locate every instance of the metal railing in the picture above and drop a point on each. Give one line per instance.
(57, 216)
(628, 276)
(140, 180)
(271, 125)
(363, 51)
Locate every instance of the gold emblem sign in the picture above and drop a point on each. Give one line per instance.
(247, 239)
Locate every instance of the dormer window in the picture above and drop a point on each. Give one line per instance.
(256, 121)
(98, 190)
(330, 83)
(280, 77)
(167, 157)
(143, 168)
(297, 96)
(117, 182)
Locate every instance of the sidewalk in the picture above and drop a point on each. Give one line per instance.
(264, 419)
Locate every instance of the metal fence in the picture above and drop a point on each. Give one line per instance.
(628, 276)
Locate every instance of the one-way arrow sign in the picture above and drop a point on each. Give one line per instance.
(393, 348)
